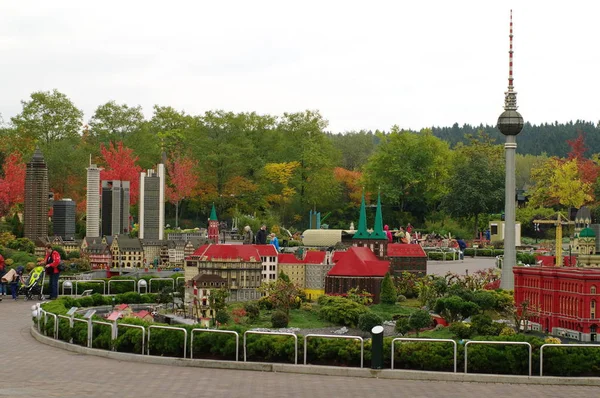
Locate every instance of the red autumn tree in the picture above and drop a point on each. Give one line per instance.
(588, 169)
(121, 165)
(182, 181)
(12, 185)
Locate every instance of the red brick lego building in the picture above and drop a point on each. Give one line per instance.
(357, 267)
(407, 258)
(564, 300)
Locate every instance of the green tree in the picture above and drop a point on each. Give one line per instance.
(282, 293)
(217, 300)
(304, 141)
(388, 293)
(114, 122)
(48, 116)
(476, 185)
(355, 148)
(418, 320)
(410, 168)
(454, 308)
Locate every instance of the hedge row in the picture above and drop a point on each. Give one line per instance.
(431, 356)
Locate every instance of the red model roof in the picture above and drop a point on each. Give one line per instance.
(405, 250)
(228, 252)
(287, 258)
(266, 250)
(314, 257)
(142, 314)
(121, 307)
(360, 261)
(337, 256)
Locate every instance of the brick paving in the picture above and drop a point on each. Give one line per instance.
(32, 369)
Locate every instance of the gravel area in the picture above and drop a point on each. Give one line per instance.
(388, 330)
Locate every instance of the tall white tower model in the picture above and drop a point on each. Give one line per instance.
(92, 227)
(152, 203)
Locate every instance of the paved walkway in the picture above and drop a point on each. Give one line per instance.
(32, 369)
(461, 267)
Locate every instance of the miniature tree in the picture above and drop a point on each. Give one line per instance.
(216, 300)
(388, 290)
(282, 293)
(419, 320)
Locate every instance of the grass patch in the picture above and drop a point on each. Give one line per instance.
(387, 311)
(442, 333)
(412, 302)
(298, 319)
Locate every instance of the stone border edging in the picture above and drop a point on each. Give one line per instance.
(318, 369)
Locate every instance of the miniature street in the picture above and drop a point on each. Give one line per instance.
(33, 369)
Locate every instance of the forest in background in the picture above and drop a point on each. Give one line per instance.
(275, 168)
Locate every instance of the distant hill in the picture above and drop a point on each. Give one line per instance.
(534, 140)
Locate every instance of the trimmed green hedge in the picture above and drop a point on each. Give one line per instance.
(430, 356)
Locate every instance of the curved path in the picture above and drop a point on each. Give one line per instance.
(32, 369)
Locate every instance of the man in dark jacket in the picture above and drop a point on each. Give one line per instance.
(261, 235)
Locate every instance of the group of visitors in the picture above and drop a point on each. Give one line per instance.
(15, 278)
(401, 235)
(261, 237)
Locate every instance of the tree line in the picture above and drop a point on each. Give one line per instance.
(272, 167)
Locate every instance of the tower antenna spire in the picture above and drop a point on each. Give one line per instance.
(510, 96)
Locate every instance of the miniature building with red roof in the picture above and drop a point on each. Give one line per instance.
(268, 256)
(359, 268)
(294, 268)
(239, 265)
(407, 257)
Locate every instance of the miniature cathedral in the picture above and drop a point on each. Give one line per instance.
(377, 240)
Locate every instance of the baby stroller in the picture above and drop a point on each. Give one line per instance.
(33, 284)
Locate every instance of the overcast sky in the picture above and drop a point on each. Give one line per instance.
(364, 65)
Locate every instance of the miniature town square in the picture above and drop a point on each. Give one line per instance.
(242, 238)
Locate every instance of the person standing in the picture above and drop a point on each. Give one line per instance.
(2, 272)
(248, 235)
(388, 233)
(261, 235)
(275, 241)
(51, 262)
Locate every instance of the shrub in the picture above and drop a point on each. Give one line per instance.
(222, 317)
(388, 290)
(340, 310)
(507, 331)
(265, 304)
(401, 298)
(306, 307)
(367, 321)
(402, 325)
(252, 311)
(279, 319)
(550, 340)
(238, 315)
(461, 330)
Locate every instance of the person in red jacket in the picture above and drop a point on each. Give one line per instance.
(51, 262)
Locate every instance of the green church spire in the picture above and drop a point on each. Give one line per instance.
(378, 232)
(213, 214)
(362, 232)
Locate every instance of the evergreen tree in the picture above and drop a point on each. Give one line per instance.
(388, 290)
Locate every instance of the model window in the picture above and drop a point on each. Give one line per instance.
(593, 290)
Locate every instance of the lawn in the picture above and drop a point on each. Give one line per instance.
(298, 319)
(442, 333)
(387, 311)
